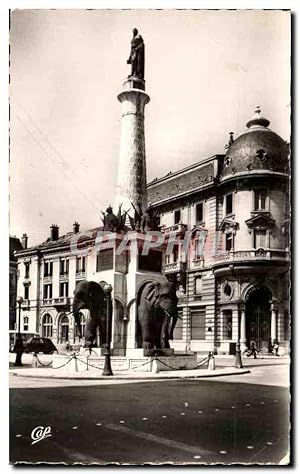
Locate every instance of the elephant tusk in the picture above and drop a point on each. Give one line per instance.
(169, 316)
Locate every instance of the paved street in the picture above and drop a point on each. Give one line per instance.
(176, 421)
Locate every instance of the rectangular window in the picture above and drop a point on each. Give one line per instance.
(105, 260)
(48, 269)
(259, 200)
(48, 291)
(199, 212)
(175, 253)
(198, 285)
(227, 324)
(198, 324)
(64, 266)
(167, 259)
(228, 242)
(151, 262)
(228, 204)
(177, 216)
(25, 323)
(177, 333)
(26, 292)
(80, 264)
(27, 266)
(64, 289)
(260, 239)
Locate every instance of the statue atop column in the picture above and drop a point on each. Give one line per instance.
(137, 55)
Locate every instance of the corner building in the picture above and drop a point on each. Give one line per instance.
(237, 286)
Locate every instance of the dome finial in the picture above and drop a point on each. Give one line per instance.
(257, 119)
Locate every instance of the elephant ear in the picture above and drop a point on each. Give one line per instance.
(153, 295)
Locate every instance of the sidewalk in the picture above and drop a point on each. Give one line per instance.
(93, 373)
(96, 374)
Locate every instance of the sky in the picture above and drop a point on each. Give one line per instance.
(205, 72)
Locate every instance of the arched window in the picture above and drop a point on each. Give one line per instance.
(25, 323)
(64, 329)
(47, 326)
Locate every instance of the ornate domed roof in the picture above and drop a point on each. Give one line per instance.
(257, 149)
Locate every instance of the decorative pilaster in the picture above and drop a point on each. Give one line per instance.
(235, 324)
(243, 338)
(273, 322)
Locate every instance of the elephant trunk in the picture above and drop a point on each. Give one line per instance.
(172, 318)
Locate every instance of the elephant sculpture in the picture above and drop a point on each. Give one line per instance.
(90, 295)
(157, 314)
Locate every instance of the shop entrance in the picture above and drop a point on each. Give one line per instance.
(258, 317)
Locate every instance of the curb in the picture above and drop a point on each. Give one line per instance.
(131, 377)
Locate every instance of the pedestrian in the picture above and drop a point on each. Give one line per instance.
(276, 348)
(19, 349)
(253, 349)
(270, 346)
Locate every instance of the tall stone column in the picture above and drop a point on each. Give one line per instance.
(132, 182)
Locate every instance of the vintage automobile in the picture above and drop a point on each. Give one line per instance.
(39, 344)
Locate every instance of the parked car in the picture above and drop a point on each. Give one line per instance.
(39, 344)
(24, 334)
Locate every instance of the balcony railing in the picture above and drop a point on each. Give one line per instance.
(80, 273)
(47, 278)
(61, 301)
(259, 254)
(174, 267)
(64, 275)
(174, 229)
(26, 304)
(197, 263)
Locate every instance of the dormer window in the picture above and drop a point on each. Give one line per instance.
(260, 198)
(261, 154)
(227, 161)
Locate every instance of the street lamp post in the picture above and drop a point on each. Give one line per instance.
(238, 356)
(19, 348)
(107, 365)
(19, 301)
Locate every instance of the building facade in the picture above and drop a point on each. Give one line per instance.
(233, 278)
(236, 284)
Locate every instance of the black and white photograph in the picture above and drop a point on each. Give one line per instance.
(149, 171)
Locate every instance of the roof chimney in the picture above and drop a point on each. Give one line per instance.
(24, 241)
(54, 232)
(76, 227)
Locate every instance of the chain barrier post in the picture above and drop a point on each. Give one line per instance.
(155, 365)
(35, 360)
(211, 361)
